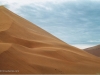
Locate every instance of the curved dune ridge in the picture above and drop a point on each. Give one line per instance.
(31, 50)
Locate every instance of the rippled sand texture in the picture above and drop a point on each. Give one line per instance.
(30, 49)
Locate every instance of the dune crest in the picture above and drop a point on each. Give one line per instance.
(31, 50)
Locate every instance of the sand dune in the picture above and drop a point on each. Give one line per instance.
(4, 47)
(31, 50)
(94, 50)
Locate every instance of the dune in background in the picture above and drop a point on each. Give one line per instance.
(94, 50)
(31, 50)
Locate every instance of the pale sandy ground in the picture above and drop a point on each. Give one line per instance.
(30, 49)
(95, 50)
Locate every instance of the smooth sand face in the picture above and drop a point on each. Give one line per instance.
(4, 47)
(31, 50)
(5, 21)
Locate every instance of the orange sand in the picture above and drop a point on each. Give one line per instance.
(31, 50)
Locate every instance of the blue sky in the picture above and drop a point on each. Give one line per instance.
(77, 22)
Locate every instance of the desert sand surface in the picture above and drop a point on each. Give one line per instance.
(94, 50)
(32, 50)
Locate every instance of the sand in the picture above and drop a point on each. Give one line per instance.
(95, 50)
(31, 50)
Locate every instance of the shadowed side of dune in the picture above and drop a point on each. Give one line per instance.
(94, 50)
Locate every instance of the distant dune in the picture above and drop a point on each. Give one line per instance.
(94, 50)
(31, 50)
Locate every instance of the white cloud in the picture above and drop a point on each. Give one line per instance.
(83, 46)
(14, 5)
(23, 2)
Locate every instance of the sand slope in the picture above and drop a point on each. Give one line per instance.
(94, 50)
(30, 49)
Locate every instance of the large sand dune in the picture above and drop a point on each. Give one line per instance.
(94, 50)
(29, 49)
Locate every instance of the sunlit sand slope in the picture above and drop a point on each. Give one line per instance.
(31, 50)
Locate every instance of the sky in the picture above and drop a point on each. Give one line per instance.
(76, 22)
